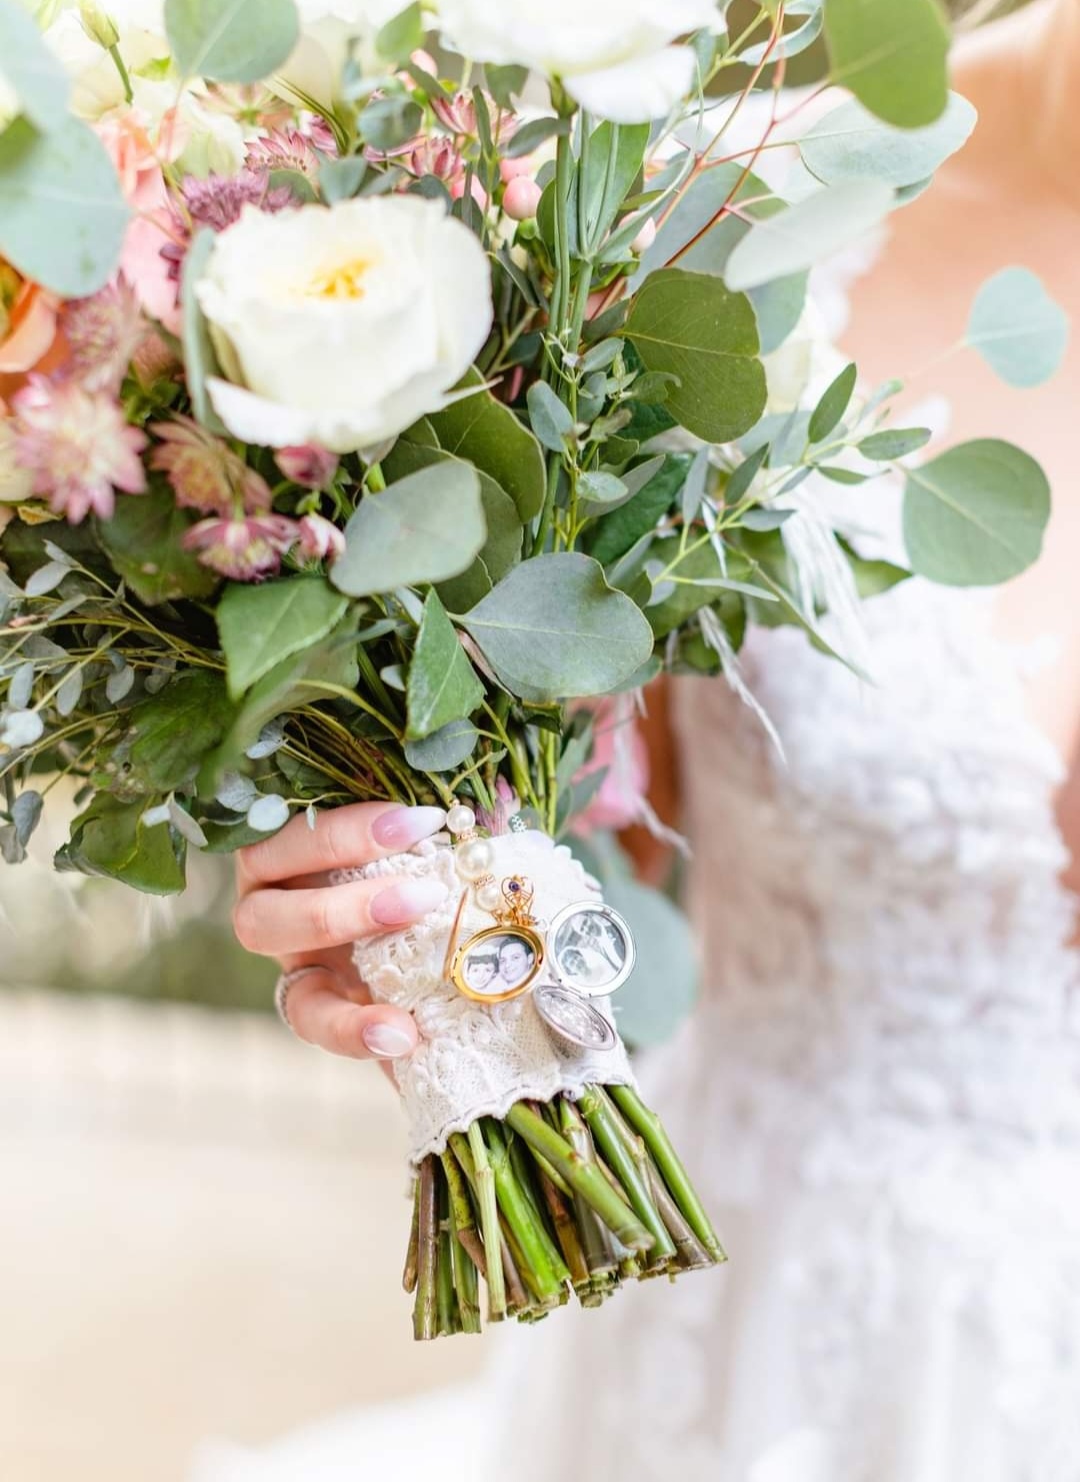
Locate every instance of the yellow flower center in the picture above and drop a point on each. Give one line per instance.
(344, 280)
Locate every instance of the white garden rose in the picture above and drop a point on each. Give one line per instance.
(327, 27)
(342, 325)
(614, 57)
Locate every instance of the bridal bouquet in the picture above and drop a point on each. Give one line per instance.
(387, 394)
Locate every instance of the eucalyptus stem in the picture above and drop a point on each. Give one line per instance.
(648, 1124)
(484, 1184)
(598, 1113)
(543, 1269)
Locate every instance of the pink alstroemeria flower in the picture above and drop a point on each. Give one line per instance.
(320, 539)
(77, 448)
(243, 550)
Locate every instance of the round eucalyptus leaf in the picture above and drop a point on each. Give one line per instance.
(1017, 328)
(892, 55)
(231, 40)
(975, 515)
(850, 143)
(62, 213)
(268, 814)
(807, 232)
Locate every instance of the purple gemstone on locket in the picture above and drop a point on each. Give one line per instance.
(514, 886)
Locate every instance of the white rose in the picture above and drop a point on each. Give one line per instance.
(314, 70)
(342, 325)
(614, 57)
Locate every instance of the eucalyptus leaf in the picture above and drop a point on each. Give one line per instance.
(892, 55)
(833, 404)
(850, 143)
(261, 625)
(19, 728)
(550, 418)
(442, 684)
(488, 434)
(424, 528)
(268, 813)
(975, 515)
(110, 838)
(169, 734)
(62, 213)
(553, 629)
(231, 40)
(34, 75)
(691, 326)
(792, 43)
(21, 686)
(614, 534)
(144, 540)
(340, 179)
(812, 229)
(1017, 328)
(894, 442)
(46, 578)
(445, 749)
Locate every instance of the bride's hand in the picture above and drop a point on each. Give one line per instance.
(286, 908)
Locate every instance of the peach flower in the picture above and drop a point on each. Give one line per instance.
(28, 316)
(139, 165)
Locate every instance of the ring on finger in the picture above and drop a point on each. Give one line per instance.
(284, 985)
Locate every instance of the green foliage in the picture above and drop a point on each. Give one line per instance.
(483, 431)
(62, 213)
(692, 327)
(892, 55)
(167, 736)
(110, 838)
(850, 143)
(262, 625)
(143, 539)
(553, 629)
(231, 40)
(1018, 329)
(443, 686)
(976, 514)
(807, 232)
(833, 404)
(425, 528)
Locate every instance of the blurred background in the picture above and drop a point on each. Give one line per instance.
(203, 1219)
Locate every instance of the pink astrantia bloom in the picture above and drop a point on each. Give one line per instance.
(204, 473)
(320, 539)
(285, 149)
(308, 464)
(243, 550)
(218, 200)
(103, 333)
(77, 447)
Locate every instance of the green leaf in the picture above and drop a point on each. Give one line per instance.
(425, 528)
(698, 571)
(401, 35)
(873, 578)
(30, 69)
(169, 734)
(975, 516)
(892, 55)
(812, 229)
(851, 144)
(1017, 328)
(833, 404)
(143, 539)
(62, 213)
(444, 750)
(340, 179)
(553, 629)
(531, 135)
(483, 431)
(231, 40)
(389, 122)
(443, 685)
(261, 625)
(109, 838)
(691, 326)
(615, 533)
(200, 357)
(613, 163)
(602, 488)
(550, 418)
(894, 442)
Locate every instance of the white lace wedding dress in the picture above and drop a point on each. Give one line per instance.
(879, 1096)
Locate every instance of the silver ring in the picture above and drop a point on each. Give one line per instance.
(283, 986)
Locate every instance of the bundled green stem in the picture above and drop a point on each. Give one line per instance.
(558, 1198)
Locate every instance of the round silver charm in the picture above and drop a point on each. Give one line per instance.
(590, 948)
(573, 1018)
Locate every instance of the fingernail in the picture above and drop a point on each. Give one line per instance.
(401, 828)
(407, 901)
(387, 1041)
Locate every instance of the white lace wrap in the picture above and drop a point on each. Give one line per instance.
(476, 1059)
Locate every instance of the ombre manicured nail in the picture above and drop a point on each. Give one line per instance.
(407, 901)
(401, 828)
(387, 1041)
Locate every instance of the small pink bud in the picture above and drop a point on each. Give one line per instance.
(320, 539)
(645, 237)
(309, 465)
(521, 198)
(511, 169)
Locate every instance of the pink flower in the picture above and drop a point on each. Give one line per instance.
(440, 158)
(242, 550)
(103, 333)
(143, 183)
(77, 447)
(285, 149)
(205, 473)
(521, 198)
(27, 322)
(320, 539)
(309, 465)
(618, 746)
(218, 200)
